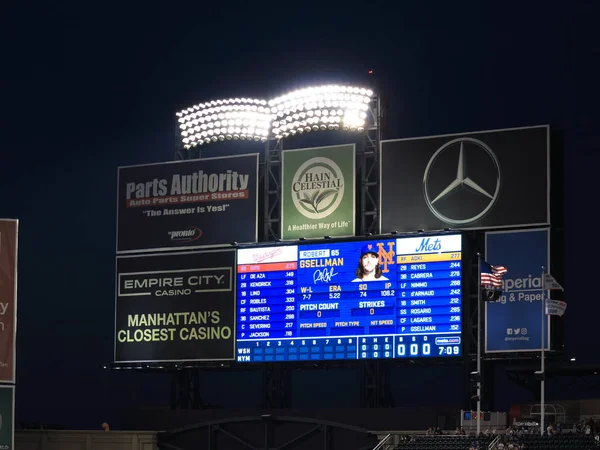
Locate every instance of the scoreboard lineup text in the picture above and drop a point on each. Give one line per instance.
(330, 301)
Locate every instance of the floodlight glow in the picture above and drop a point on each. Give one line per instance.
(219, 120)
(329, 107)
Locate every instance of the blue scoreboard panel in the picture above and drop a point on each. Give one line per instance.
(390, 298)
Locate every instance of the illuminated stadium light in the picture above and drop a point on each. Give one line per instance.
(219, 120)
(320, 108)
(330, 107)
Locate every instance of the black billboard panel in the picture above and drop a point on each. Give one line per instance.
(187, 204)
(482, 180)
(175, 307)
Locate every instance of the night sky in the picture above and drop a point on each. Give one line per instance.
(86, 88)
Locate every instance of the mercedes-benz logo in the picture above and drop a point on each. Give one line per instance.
(441, 185)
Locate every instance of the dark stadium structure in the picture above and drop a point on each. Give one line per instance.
(283, 432)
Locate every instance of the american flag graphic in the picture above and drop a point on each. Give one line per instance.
(492, 275)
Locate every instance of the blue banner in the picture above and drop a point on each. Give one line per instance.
(514, 322)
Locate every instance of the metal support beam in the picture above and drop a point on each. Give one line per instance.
(376, 386)
(470, 313)
(180, 153)
(272, 190)
(185, 389)
(183, 154)
(276, 386)
(368, 169)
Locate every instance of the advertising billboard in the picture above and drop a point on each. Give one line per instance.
(482, 180)
(318, 190)
(514, 322)
(175, 307)
(187, 204)
(375, 299)
(8, 298)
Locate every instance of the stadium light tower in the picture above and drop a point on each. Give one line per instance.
(219, 120)
(330, 107)
(318, 108)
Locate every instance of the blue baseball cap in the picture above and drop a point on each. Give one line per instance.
(368, 248)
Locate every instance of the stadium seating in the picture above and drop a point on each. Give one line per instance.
(558, 442)
(530, 442)
(445, 442)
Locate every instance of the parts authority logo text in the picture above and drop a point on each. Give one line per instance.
(183, 236)
(317, 188)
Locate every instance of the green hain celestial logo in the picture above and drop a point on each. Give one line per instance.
(317, 188)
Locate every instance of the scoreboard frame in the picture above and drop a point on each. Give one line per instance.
(311, 243)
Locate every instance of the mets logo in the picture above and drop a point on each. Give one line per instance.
(386, 257)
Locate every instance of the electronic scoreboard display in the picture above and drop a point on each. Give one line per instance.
(388, 298)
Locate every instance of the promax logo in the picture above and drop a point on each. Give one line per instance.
(183, 236)
(317, 188)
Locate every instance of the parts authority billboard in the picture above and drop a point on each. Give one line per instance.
(482, 180)
(188, 204)
(8, 298)
(514, 322)
(175, 307)
(318, 191)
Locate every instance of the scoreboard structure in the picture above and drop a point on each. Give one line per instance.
(359, 300)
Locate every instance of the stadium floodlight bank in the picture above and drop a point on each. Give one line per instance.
(320, 108)
(218, 120)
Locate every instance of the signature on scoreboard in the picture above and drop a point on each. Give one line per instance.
(323, 276)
